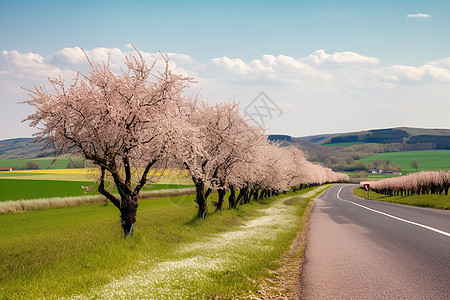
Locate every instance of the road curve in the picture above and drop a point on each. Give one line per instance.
(362, 249)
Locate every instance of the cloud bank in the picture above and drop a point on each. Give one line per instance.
(319, 93)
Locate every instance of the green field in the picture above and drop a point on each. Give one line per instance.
(43, 163)
(430, 160)
(429, 201)
(18, 189)
(72, 251)
(12, 189)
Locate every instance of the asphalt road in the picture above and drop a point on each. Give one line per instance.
(356, 251)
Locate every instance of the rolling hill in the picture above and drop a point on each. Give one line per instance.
(356, 151)
(22, 148)
(339, 151)
(440, 138)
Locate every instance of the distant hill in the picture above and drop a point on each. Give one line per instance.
(337, 150)
(345, 151)
(434, 138)
(22, 148)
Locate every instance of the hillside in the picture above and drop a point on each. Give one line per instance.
(355, 151)
(22, 148)
(431, 138)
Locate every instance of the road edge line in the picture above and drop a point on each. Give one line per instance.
(393, 217)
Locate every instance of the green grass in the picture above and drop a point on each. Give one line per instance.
(172, 255)
(12, 189)
(430, 160)
(43, 163)
(430, 201)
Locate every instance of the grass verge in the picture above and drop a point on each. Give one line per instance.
(79, 252)
(429, 201)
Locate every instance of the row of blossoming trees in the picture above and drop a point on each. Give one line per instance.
(431, 182)
(130, 123)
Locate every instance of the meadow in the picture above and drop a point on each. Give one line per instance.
(429, 160)
(80, 251)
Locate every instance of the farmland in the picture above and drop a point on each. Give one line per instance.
(43, 163)
(429, 160)
(36, 184)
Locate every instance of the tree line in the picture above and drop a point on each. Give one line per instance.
(129, 123)
(421, 183)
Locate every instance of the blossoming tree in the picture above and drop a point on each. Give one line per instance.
(123, 123)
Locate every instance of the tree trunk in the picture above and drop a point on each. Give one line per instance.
(128, 209)
(221, 193)
(246, 195)
(232, 198)
(240, 197)
(201, 200)
(255, 194)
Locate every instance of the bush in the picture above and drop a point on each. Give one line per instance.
(76, 164)
(32, 165)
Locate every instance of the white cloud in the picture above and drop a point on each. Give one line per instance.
(418, 15)
(25, 66)
(442, 63)
(340, 58)
(319, 93)
(408, 74)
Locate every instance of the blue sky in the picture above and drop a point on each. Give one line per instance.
(208, 31)
(244, 29)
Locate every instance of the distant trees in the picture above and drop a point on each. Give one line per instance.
(76, 164)
(32, 165)
(29, 165)
(377, 163)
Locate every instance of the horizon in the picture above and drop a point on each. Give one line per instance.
(322, 66)
(269, 134)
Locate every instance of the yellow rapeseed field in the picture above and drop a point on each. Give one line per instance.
(166, 176)
(58, 171)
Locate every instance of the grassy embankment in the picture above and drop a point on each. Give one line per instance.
(429, 201)
(80, 250)
(430, 160)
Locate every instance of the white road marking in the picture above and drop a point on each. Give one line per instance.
(393, 217)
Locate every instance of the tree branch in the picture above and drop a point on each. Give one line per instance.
(143, 180)
(108, 195)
